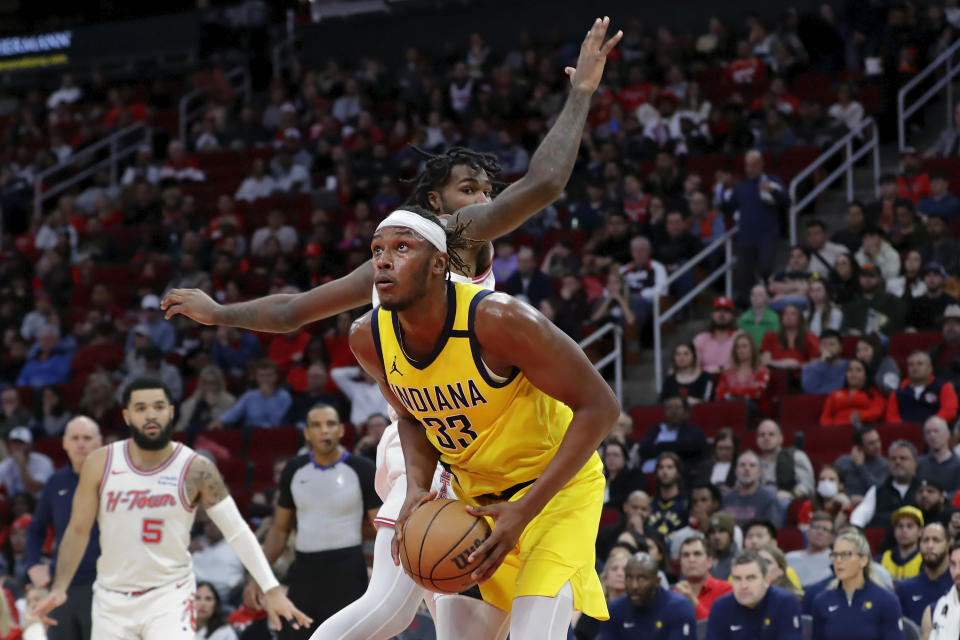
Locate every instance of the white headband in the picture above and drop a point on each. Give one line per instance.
(433, 233)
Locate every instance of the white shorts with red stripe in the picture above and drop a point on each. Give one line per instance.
(163, 613)
(391, 479)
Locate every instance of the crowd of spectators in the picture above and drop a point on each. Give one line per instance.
(282, 192)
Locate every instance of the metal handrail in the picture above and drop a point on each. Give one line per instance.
(726, 270)
(189, 114)
(945, 58)
(844, 144)
(121, 143)
(615, 356)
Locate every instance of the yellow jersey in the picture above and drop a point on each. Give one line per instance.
(494, 434)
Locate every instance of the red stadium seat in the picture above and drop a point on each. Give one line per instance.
(801, 412)
(903, 344)
(53, 449)
(608, 517)
(793, 512)
(713, 416)
(644, 418)
(875, 538)
(909, 431)
(825, 444)
(849, 347)
(234, 471)
(269, 443)
(790, 539)
(232, 439)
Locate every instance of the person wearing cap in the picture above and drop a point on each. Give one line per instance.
(276, 228)
(726, 540)
(922, 590)
(922, 394)
(714, 345)
(946, 355)
(904, 560)
(914, 183)
(932, 501)
(755, 609)
(81, 437)
(924, 312)
(23, 469)
(940, 202)
(939, 463)
(259, 184)
(161, 331)
(874, 310)
(760, 199)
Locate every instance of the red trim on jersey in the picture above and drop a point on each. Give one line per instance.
(484, 274)
(106, 470)
(149, 472)
(182, 484)
(385, 522)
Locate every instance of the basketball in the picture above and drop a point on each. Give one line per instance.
(437, 540)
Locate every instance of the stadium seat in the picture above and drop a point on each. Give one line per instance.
(903, 344)
(713, 416)
(53, 449)
(790, 539)
(234, 471)
(801, 412)
(609, 516)
(644, 418)
(232, 439)
(909, 431)
(875, 538)
(825, 444)
(849, 347)
(269, 443)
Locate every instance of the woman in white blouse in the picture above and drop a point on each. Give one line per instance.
(822, 313)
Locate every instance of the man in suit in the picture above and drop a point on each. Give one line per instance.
(528, 283)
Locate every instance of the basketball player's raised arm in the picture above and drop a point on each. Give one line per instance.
(277, 313)
(86, 505)
(515, 334)
(553, 161)
(420, 457)
(204, 486)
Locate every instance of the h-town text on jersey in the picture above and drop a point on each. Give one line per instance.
(139, 499)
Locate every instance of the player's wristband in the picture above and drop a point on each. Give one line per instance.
(238, 535)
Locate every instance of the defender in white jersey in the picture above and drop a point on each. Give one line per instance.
(144, 492)
(457, 185)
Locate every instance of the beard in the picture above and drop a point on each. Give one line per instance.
(155, 443)
(933, 561)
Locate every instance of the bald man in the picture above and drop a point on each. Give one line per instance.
(80, 438)
(648, 610)
(939, 464)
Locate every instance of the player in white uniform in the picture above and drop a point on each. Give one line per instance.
(456, 185)
(144, 492)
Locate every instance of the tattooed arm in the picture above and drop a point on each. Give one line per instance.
(553, 161)
(204, 485)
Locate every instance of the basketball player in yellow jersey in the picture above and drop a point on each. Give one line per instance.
(490, 387)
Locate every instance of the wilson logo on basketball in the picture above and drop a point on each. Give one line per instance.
(461, 558)
(139, 499)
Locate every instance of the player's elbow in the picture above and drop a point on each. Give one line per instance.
(608, 410)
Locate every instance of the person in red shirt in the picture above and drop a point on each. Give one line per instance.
(745, 378)
(287, 348)
(793, 345)
(859, 400)
(696, 558)
(913, 183)
(745, 69)
(636, 91)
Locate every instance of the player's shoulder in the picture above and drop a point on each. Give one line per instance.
(495, 308)
(361, 331)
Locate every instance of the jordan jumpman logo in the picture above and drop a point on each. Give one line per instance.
(394, 369)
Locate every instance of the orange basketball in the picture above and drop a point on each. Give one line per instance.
(437, 540)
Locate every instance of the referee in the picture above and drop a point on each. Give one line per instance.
(81, 436)
(324, 495)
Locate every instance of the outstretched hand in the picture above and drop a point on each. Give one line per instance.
(279, 606)
(48, 604)
(192, 303)
(593, 56)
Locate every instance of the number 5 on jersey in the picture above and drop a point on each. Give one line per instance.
(459, 425)
(152, 532)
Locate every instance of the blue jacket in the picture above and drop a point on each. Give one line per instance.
(759, 220)
(874, 614)
(776, 617)
(669, 617)
(918, 592)
(54, 508)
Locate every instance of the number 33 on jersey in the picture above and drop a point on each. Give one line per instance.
(504, 430)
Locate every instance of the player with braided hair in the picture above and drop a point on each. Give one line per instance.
(456, 186)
